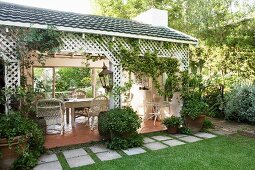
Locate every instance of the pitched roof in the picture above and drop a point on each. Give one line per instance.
(18, 15)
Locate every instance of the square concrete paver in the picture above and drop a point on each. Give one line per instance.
(190, 139)
(148, 140)
(80, 161)
(161, 138)
(222, 132)
(205, 135)
(47, 158)
(99, 148)
(179, 135)
(74, 153)
(134, 151)
(109, 155)
(49, 165)
(173, 142)
(155, 146)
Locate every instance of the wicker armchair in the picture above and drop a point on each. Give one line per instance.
(52, 110)
(99, 104)
(80, 94)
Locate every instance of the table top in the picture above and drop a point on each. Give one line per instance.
(76, 103)
(71, 100)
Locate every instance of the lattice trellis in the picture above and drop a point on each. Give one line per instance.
(8, 54)
(93, 44)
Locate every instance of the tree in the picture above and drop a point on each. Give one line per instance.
(72, 77)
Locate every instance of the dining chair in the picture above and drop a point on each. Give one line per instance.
(99, 104)
(80, 111)
(52, 110)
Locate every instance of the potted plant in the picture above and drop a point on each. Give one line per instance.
(193, 111)
(119, 126)
(172, 123)
(19, 137)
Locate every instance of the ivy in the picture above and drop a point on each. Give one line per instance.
(37, 42)
(149, 64)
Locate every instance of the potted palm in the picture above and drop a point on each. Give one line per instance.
(172, 123)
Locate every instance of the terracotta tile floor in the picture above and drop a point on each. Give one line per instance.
(82, 134)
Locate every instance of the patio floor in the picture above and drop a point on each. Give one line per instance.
(82, 134)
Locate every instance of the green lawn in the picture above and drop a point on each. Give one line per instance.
(233, 152)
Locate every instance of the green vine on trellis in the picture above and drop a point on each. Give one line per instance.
(148, 64)
(37, 42)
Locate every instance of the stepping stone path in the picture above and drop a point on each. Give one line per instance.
(148, 140)
(109, 155)
(190, 139)
(155, 146)
(205, 135)
(222, 132)
(178, 135)
(49, 165)
(48, 162)
(99, 148)
(161, 138)
(173, 142)
(80, 161)
(74, 153)
(134, 151)
(77, 157)
(84, 156)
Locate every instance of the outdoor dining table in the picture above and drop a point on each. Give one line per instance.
(76, 103)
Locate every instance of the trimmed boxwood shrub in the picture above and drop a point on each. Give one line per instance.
(121, 126)
(240, 104)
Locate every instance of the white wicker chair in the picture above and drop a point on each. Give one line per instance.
(52, 110)
(156, 108)
(99, 104)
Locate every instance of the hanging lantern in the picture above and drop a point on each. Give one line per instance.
(106, 78)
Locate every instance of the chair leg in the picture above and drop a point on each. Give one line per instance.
(92, 122)
(155, 118)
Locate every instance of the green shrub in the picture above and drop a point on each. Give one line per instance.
(121, 125)
(214, 99)
(185, 130)
(103, 124)
(193, 106)
(172, 121)
(14, 124)
(240, 104)
(116, 143)
(207, 124)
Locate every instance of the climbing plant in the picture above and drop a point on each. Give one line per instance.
(148, 64)
(38, 43)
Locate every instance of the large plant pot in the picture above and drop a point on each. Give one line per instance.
(172, 129)
(9, 151)
(195, 124)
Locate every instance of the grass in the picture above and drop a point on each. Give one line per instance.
(223, 152)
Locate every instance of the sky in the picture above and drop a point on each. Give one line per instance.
(78, 6)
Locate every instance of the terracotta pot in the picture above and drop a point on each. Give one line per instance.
(195, 124)
(172, 129)
(8, 151)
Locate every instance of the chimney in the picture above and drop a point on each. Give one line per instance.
(154, 17)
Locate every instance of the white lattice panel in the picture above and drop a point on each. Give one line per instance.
(8, 54)
(93, 44)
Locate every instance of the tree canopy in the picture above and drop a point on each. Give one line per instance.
(225, 29)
